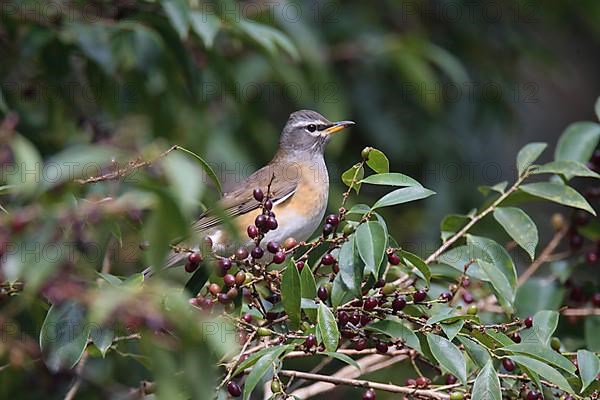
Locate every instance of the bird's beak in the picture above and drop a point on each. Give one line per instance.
(337, 126)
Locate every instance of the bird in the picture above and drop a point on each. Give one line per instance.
(296, 179)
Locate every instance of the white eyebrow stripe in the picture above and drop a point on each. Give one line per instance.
(304, 123)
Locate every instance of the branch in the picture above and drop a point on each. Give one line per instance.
(544, 255)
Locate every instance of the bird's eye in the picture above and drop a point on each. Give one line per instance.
(311, 127)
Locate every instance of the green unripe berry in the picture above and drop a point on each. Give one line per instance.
(348, 230)
(275, 386)
(457, 396)
(365, 153)
(263, 331)
(472, 310)
(555, 343)
(388, 289)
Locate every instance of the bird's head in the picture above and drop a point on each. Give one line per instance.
(308, 132)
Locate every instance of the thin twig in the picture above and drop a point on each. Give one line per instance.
(543, 257)
(75, 388)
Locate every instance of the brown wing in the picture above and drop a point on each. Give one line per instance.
(241, 200)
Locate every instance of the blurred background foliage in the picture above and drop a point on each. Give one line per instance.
(450, 90)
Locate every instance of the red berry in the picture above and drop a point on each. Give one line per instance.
(528, 322)
(234, 389)
(223, 298)
(370, 303)
(241, 253)
(229, 280)
(247, 318)
(421, 381)
(240, 278)
(508, 364)
(327, 259)
(394, 259)
(450, 379)
(310, 341)
(332, 219)
(252, 231)
(360, 344)
(467, 297)
(190, 267)
(596, 299)
(195, 258)
(355, 319)
(591, 257)
(300, 265)
(322, 293)
(381, 347)
(532, 395)
(369, 395)
(398, 303)
(411, 382)
(224, 264)
(343, 318)
(466, 282)
(257, 252)
(279, 257)
(258, 194)
(214, 289)
(575, 241)
(290, 243)
(273, 247)
(446, 296)
(516, 337)
(419, 295)
(327, 229)
(261, 222)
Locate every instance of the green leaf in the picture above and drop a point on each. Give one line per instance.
(597, 108)
(451, 329)
(353, 176)
(528, 154)
(371, 241)
(102, 338)
(497, 255)
(64, 335)
(327, 325)
(340, 293)
(519, 226)
(479, 354)
(417, 262)
(342, 357)
(261, 367)
(206, 26)
(460, 256)
(178, 169)
(206, 167)
(177, 12)
(487, 384)
(268, 37)
(351, 265)
(393, 327)
(542, 353)
(558, 193)
(544, 371)
(378, 162)
(27, 171)
(391, 179)
(291, 293)
(502, 288)
(308, 290)
(591, 329)
(197, 281)
(451, 224)
(403, 195)
(544, 325)
(589, 367)
(498, 188)
(578, 141)
(566, 168)
(448, 355)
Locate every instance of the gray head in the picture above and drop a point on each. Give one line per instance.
(308, 131)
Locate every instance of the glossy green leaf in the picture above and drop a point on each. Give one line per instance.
(340, 293)
(544, 370)
(25, 175)
(291, 293)
(378, 162)
(308, 290)
(268, 37)
(353, 176)
(566, 168)
(371, 242)
(448, 355)
(528, 154)
(206, 26)
(502, 288)
(460, 256)
(591, 328)
(261, 367)
(328, 328)
(418, 263)
(395, 328)
(391, 179)
(519, 226)
(102, 338)
(578, 141)
(351, 265)
(206, 167)
(589, 367)
(487, 384)
(544, 325)
(64, 335)
(451, 329)
(542, 353)
(498, 188)
(451, 224)
(177, 12)
(404, 195)
(558, 193)
(479, 354)
(497, 255)
(342, 357)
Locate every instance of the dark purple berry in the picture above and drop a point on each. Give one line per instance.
(229, 280)
(224, 264)
(332, 219)
(261, 221)
(327, 259)
(194, 258)
(360, 344)
(300, 265)
(533, 395)
(252, 231)
(322, 293)
(450, 379)
(272, 223)
(190, 267)
(394, 259)
(370, 303)
(310, 341)
(343, 318)
(223, 298)
(327, 229)
(528, 322)
(419, 295)
(575, 241)
(258, 194)
(398, 303)
(233, 388)
(268, 204)
(381, 347)
(516, 337)
(447, 296)
(257, 252)
(241, 253)
(247, 318)
(508, 364)
(273, 247)
(369, 395)
(355, 319)
(279, 257)
(467, 297)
